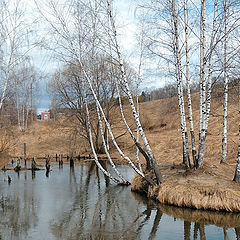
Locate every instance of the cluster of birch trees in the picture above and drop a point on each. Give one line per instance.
(195, 39)
(16, 69)
(84, 37)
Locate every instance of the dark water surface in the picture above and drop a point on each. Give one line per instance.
(79, 203)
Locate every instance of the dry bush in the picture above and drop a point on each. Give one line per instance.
(145, 120)
(6, 140)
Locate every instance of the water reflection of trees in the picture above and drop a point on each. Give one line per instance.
(197, 218)
(18, 214)
(102, 211)
(96, 211)
(92, 208)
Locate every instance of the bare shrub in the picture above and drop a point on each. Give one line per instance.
(145, 120)
(6, 140)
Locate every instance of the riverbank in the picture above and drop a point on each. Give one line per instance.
(198, 189)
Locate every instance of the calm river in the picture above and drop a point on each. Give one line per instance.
(79, 203)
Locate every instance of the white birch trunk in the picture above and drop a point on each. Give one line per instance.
(7, 78)
(178, 69)
(137, 138)
(137, 88)
(107, 124)
(225, 104)
(129, 130)
(190, 114)
(210, 68)
(92, 145)
(130, 99)
(202, 99)
(23, 116)
(106, 149)
(107, 140)
(202, 136)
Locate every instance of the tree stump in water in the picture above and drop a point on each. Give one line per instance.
(34, 165)
(9, 179)
(47, 165)
(71, 162)
(17, 168)
(60, 160)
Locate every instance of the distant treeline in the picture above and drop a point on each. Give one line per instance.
(170, 90)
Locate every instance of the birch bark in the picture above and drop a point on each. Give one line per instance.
(130, 99)
(190, 114)
(129, 130)
(178, 68)
(225, 104)
(106, 148)
(137, 88)
(107, 124)
(202, 99)
(7, 75)
(210, 67)
(92, 145)
(203, 133)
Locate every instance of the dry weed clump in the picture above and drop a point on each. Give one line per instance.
(6, 140)
(199, 197)
(185, 194)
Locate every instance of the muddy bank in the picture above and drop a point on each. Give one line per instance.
(193, 192)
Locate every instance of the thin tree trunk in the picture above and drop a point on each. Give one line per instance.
(137, 88)
(155, 224)
(107, 124)
(237, 170)
(202, 99)
(186, 158)
(225, 104)
(92, 145)
(210, 67)
(105, 147)
(129, 130)
(190, 115)
(129, 95)
(202, 232)
(137, 138)
(203, 132)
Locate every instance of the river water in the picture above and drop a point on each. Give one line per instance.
(79, 203)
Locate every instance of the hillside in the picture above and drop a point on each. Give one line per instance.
(161, 122)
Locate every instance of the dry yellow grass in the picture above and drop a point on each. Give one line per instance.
(209, 188)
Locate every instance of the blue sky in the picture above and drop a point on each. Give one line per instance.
(127, 23)
(42, 59)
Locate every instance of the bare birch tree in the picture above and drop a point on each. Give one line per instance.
(129, 95)
(14, 42)
(76, 53)
(186, 158)
(225, 104)
(190, 114)
(202, 98)
(92, 146)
